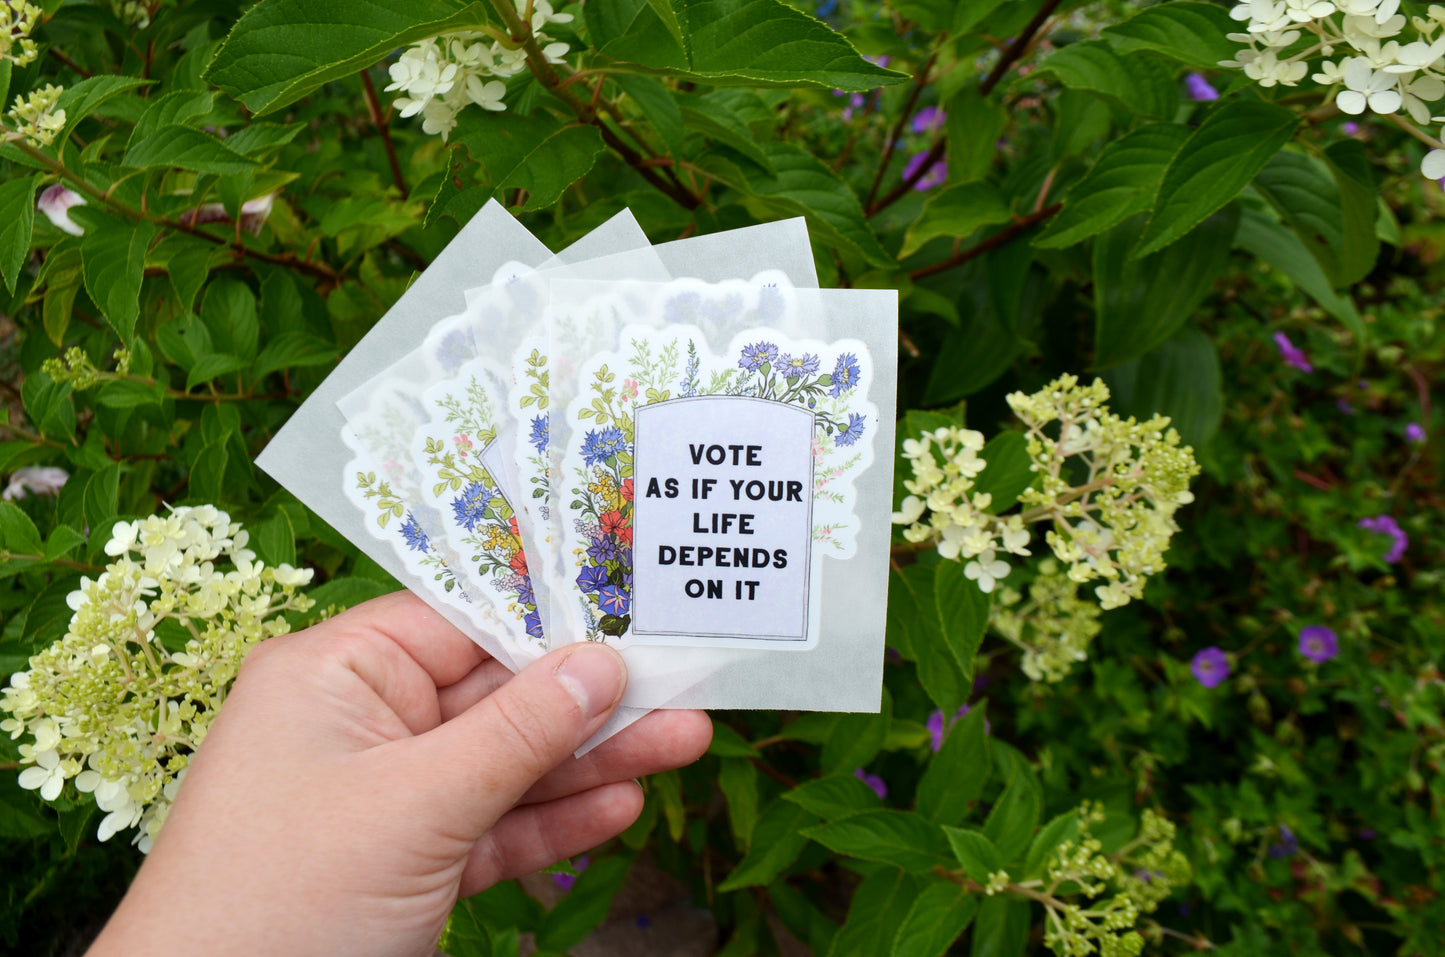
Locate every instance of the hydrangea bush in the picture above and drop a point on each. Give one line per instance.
(1164, 625)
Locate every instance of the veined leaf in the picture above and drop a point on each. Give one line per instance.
(1214, 164)
(537, 153)
(776, 840)
(734, 43)
(112, 256)
(833, 797)
(84, 98)
(1179, 378)
(1139, 303)
(1134, 80)
(1186, 30)
(1008, 472)
(962, 614)
(1124, 180)
(1277, 245)
(171, 109)
(975, 852)
(957, 211)
(185, 148)
(899, 838)
(937, 917)
(17, 220)
(281, 50)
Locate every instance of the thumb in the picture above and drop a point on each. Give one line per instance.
(484, 759)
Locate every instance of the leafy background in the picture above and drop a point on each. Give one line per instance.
(1092, 216)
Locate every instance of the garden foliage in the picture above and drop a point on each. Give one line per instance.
(203, 205)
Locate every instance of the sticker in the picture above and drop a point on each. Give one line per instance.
(706, 489)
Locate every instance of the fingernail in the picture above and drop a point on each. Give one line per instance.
(593, 675)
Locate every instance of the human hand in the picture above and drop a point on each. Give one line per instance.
(368, 770)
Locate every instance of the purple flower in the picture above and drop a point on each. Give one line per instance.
(39, 479)
(1292, 355)
(613, 600)
(55, 202)
(758, 354)
(936, 727)
(852, 433)
(1349, 128)
(411, 531)
(928, 119)
(1366, 834)
(881, 59)
(1318, 643)
(1288, 843)
(936, 174)
(565, 881)
(1346, 408)
(1210, 667)
(1414, 433)
(533, 621)
(1199, 88)
(592, 578)
(1386, 525)
(879, 786)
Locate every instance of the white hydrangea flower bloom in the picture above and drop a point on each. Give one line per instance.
(1367, 87)
(987, 570)
(47, 775)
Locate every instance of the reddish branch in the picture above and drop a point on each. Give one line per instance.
(373, 107)
(993, 242)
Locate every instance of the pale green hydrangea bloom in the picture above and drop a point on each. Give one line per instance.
(119, 704)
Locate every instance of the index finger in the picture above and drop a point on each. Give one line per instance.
(442, 650)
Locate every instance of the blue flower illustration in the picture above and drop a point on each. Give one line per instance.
(592, 578)
(415, 537)
(793, 367)
(602, 550)
(468, 507)
(845, 375)
(613, 599)
(852, 433)
(454, 349)
(534, 624)
(758, 354)
(540, 429)
(601, 444)
(525, 594)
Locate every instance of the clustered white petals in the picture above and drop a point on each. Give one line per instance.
(36, 118)
(1380, 74)
(121, 702)
(1112, 528)
(439, 76)
(16, 22)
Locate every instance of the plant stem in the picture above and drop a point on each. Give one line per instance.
(993, 242)
(897, 132)
(320, 270)
(1020, 45)
(373, 107)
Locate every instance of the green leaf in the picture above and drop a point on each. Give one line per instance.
(776, 840)
(669, 18)
(281, 50)
(975, 852)
(49, 614)
(17, 219)
(1008, 472)
(833, 797)
(63, 540)
(1179, 378)
(658, 104)
(17, 532)
(102, 496)
(1045, 844)
(112, 256)
(17, 821)
(735, 42)
(212, 365)
(962, 609)
(715, 118)
(1123, 181)
(1135, 81)
(187, 261)
(958, 211)
(880, 905)
(1218, 160)
(124, 394)
(900, 838)
(911, 608)
(803, 186)
(940, 914)
(1140, 303)
(738, 781)
(1186, 30)
(171, 109)
(974, 125)
(856, 739)
(275, 540)
(955, 776)
(727, 743)
(229, 311)
(1012, 819)
(82, 99)
(1274, 243)
(292, 350)
(182, 147)
(1001, 928)
(584, 906)
(538, 153)
(1359, 200)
